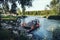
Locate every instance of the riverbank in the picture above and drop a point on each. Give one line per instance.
(54, 17)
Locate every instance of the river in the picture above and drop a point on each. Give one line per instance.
(47, 26)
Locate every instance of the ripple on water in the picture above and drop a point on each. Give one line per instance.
(45, 24)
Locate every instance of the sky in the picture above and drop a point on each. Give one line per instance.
(38, 5)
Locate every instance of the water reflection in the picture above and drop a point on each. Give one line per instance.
(46, 28)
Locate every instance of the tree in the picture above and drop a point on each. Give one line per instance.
(5, 5)
(22, 2)
(55, 6)
(54, 3)
(13, 8)
(25, 3)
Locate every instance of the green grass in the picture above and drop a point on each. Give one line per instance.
(9, 17)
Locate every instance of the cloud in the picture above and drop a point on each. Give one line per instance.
(38, 5)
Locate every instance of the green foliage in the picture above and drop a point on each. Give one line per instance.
(53, 3)
(55, 6)
(13, 8)
(24, 3)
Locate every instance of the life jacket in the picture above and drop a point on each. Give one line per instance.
(23, 24)
(37, 25)
(32, 27)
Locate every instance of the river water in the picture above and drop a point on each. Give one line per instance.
(47, 26)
